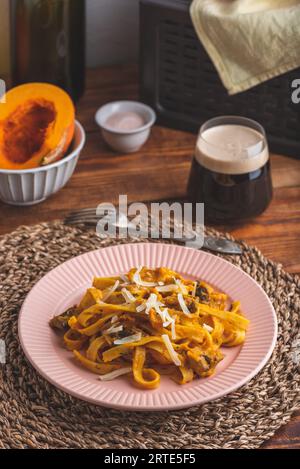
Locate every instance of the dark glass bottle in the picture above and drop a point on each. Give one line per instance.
(48, 43)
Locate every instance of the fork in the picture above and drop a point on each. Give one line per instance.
(89, 217)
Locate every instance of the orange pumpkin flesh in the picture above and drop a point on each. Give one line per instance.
(36, 126)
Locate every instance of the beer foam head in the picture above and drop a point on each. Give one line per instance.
(231, 149)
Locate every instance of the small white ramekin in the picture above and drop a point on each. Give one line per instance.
(31, 186)
(125, 141)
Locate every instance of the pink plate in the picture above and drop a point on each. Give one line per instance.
(63, 287)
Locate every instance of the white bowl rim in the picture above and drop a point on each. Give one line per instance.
(139, 105)
(60, 162)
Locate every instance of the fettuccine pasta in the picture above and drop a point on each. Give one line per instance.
(151, 322)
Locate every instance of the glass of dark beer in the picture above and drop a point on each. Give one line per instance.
(230, 171)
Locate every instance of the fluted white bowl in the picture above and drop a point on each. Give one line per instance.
(31, 186)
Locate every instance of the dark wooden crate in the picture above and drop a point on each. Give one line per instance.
(178, 79)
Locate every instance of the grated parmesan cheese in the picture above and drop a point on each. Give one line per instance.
(115, 374)
(171, 350)
(183, 305)
(124, 278)
(141, 308)
(208, 328)
(167, 318)
(182, 288)
(169, 321)
(110, 291)
(167, 288)
(113, 329)
(128, 296)
(194, 289)
(137, 279)
(173, 330)
(152, 302)
(127, 340)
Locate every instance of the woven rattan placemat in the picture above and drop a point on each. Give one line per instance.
(34, 414)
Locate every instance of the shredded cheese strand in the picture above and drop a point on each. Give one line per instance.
(208, 328)
(127, 340)
(128, 296)
(115, 374)
(110, 291)
(171, 350)
(194, 289)
(180, 286)
(167, 288)
(113, 330)
(183, 305)
(137, 279)
(173, 330)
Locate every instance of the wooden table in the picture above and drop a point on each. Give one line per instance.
(160, 171)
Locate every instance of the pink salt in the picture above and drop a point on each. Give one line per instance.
(125, 121)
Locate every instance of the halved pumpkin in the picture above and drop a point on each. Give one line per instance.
(36, 126)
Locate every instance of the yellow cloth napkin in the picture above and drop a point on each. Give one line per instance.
(249, 41)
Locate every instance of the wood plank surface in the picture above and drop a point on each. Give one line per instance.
(160, 171)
